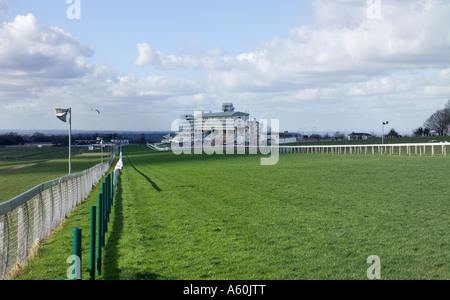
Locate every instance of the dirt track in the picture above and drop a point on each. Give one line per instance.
(15, 168)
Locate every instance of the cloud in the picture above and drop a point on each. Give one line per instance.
(344, 70)
(43, 67)
(345, 61)
(342, 46)
(158, 87)
(213, 59)
(148, 56)
(30, 49)
(336, 54)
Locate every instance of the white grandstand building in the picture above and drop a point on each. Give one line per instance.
(228, 126)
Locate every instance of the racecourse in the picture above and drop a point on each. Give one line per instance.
(311, 216)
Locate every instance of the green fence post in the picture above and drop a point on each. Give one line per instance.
(105, 210)
(108, 199)
(100, 234)
(106, 195)
(92, 253)
(77, 252)
(112, 189)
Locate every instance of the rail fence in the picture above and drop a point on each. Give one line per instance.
(387, 149)
(158, 147)
(100, 218)
(31, 217)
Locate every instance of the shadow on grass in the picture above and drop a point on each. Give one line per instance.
(111, 266)
(154, 185)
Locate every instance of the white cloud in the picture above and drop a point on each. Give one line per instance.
(154, 86)
(43, 67)
(342, 46)
(27, 48)
(148, 56)
(344, 70)
(213, 59)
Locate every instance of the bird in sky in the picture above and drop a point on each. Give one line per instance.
(96, 110)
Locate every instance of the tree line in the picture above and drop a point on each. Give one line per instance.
(14, 138)
(438, 122)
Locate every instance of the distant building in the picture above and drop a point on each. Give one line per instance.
(354, 136)
(39, 145)
(235, 123)
(85, 142)
(120, 142)
(287, 140)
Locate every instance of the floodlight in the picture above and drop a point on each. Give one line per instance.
(62, 114)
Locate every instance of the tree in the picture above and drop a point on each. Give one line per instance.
(392, 134)
(439, 121)
(38, 137)
(339, 136)
(316, 137)
(142, 140)
(11, 138)
(418, 131)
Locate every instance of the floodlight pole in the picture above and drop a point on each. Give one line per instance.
(382, 131)
(62, 115)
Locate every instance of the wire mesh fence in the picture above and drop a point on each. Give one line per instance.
(29, 218)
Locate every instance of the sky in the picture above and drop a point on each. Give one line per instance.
(315, 65)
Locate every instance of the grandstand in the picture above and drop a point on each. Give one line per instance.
(236, 126)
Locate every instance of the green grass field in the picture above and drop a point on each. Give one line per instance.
(227, 217)
(37, 165)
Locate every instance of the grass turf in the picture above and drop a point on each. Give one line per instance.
(41, 165)
(227, 217)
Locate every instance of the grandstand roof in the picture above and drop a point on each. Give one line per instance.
(224, 114)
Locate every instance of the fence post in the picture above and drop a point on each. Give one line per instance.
(22, 232)
(3, 245)
(100, 234)
(77, 252)
(108, 178)
(112, 189)
(105, 211)
(107, 196)
(92, 253)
